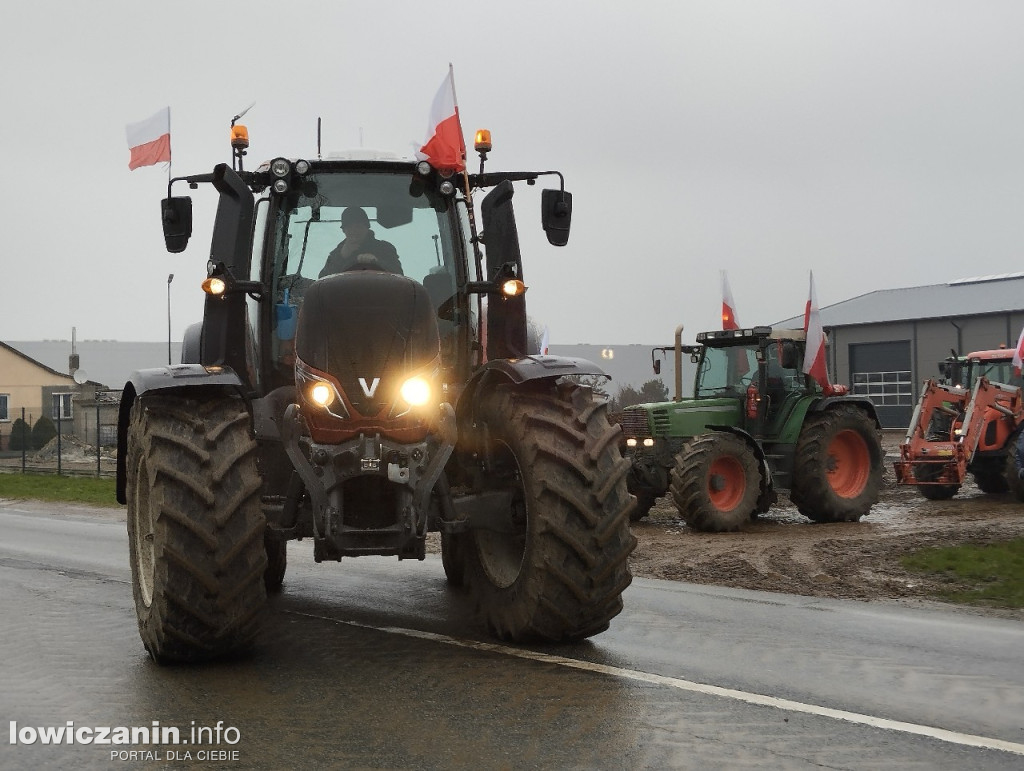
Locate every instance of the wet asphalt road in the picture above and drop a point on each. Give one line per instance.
(374, 663)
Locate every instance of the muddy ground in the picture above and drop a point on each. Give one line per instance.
(785, 552)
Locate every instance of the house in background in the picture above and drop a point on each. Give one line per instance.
(31, 389)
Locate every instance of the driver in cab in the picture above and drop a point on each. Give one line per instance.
(361, 249)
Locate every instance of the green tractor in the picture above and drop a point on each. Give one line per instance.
(755, 424)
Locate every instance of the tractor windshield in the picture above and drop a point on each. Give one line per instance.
(994, 371)
(726, 371)
(344, 220)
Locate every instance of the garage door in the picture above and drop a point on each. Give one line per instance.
(881, 371)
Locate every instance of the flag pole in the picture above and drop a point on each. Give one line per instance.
(170, 154)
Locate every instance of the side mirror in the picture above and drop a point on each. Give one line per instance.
(176, 215)
(556, 214)
(657, 366)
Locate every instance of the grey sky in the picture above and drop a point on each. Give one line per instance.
(879, 143)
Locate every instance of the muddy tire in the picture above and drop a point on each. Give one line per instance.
(644, 502)
(715, 483)
(453, 558)
(933, 492)
(1013, 481)
(195, 527)
(837, 468)
(991, 482)
(557, 569)
(277, 563)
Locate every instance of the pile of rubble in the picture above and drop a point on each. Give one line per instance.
(73, 450)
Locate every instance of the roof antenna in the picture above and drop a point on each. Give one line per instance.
(319, 157)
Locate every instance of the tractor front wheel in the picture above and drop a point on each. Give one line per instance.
(837, 469)
(553, 565)
(195, 527)
(929, 474)
(715, 482)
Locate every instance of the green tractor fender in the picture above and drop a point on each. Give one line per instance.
(181, 379)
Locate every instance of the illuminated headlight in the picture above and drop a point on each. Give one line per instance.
(280, 167)
(319, 392)
(301, 167)
(648, 442)
(322, 394)
(631, 442)
(415, 391)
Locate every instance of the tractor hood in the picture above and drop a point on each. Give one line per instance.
(368, 330)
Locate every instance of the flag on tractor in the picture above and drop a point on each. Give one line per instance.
(149, 140)
(728, 306)
(814, 355)
(1018, 355)
(445, 147)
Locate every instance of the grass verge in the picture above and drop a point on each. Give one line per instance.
(989, 574)
(91, 491)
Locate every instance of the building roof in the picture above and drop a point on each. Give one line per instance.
(21, 354)
(1002, 293)
(105, 362)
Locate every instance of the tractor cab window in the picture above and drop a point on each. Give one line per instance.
(994, 372)
(726, 371)
(344, 221)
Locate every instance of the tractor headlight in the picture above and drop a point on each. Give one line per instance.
(280, 167)
(415, 391)
(631, 442)
(648, 442)
(319, 392)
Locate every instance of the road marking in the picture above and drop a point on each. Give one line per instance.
(941, 734)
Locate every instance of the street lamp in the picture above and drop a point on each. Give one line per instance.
(170, 278)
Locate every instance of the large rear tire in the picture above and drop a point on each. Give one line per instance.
(195, 527)
(992, 482)
(837, 469)
(277, 563)
(715, 483)
(1013, 480)
(557, 568)
(453, 558)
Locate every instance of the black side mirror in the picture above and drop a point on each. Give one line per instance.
(789, 358)
(657, 366)
(556, 214)
(176, 215)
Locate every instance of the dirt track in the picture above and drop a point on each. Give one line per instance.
(785, 552)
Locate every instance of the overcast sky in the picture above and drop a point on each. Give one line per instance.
(880, 144)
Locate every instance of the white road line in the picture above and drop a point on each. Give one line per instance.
(941, 734)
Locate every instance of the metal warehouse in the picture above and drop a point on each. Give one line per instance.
(884, 344)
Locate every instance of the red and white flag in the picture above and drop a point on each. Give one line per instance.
(445, 147)
(1018, 355)
(728, 306)
(814, 355)
(150, 140)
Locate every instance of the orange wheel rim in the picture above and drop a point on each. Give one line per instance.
(727, 483)
(849, 464)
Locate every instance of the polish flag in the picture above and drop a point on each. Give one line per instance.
(728, 306)
(445, 147)
(1018, 355)
(544, 343)
(150, 140)
(814, 355)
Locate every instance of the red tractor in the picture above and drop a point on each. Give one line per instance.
(957, 428)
